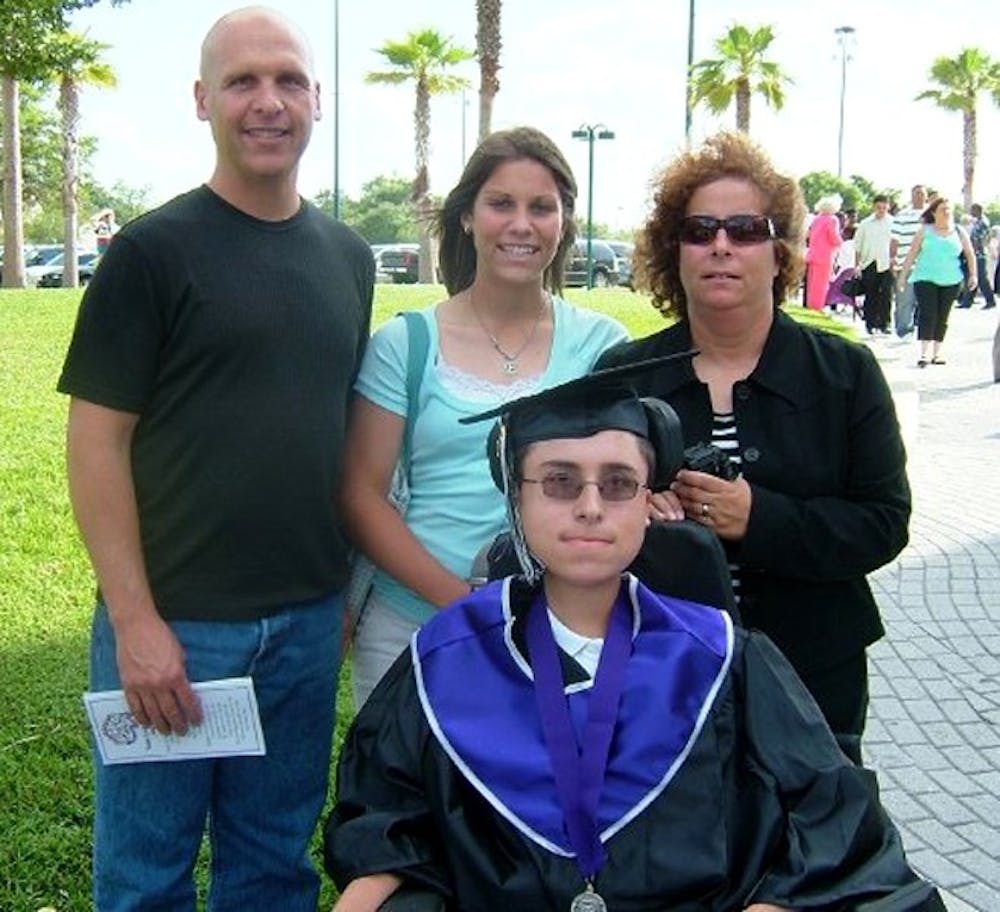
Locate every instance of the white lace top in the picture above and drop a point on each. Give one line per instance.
(475, 389)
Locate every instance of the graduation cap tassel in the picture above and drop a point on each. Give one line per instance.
(530, 565)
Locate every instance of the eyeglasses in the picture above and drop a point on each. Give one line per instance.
(740, 229)
(613, 488)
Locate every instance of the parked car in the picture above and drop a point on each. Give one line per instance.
(605, 264)
(377, 256)
(44, 259)
(397, 263)
(36, 255)
(40, 254)
(623, 252)
(52, 277)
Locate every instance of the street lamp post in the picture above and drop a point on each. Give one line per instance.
(336, 109)
(590, 132)
(687, 81)
(845, 34)
(465, 107)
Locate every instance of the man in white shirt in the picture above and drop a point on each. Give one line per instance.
(872, 257)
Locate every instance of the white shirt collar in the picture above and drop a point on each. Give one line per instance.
(585, 650)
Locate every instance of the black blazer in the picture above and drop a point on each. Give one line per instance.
(823, 454)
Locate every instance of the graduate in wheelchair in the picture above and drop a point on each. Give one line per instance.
(568, 739)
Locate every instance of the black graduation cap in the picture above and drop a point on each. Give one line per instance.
(601, 401)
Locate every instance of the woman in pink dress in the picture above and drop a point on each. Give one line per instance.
(824, 240)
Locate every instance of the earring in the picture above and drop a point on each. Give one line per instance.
(467, 229)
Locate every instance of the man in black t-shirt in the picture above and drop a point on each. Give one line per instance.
(210, 371)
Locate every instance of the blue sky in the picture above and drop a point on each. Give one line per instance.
(565, 63)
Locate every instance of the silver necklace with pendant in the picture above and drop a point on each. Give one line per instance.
(510, 365)
(588, 901)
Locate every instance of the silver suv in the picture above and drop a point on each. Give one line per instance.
(605, 264)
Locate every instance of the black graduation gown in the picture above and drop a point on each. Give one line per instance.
(754, 802)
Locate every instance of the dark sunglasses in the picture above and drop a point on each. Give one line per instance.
(740, 229)
(569, 486)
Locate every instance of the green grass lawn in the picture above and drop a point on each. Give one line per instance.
(46, 594)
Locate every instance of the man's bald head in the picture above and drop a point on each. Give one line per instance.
(259, 94)
(232, 21)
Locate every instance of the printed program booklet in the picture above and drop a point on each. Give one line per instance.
(230, 726)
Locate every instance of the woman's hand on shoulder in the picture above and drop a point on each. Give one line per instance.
(665, 506)
(723, 506)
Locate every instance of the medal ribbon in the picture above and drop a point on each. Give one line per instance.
(579, 774)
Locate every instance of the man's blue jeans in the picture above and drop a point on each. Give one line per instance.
(261, 811)
(906, 309)
(983, 286)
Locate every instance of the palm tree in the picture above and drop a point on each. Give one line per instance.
(75, 61)
(13, 215)
(423, 56)
(24, 28)
(488, 50)
(740, 70)
(960, 81)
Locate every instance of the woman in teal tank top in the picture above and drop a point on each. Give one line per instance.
(502, 332)
(937, 274)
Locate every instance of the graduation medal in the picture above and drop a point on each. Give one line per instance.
(579, 774)
(588, 901)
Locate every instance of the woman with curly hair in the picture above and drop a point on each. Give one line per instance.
(822, 496)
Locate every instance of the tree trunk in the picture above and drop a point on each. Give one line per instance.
(69, 106)
(743, 107)
(968, 154)
(13, 220)
(485, 113)
(422, 183)
(488, 47)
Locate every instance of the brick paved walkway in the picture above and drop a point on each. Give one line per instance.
(934, 725)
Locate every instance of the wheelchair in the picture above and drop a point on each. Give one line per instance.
(686, 560)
